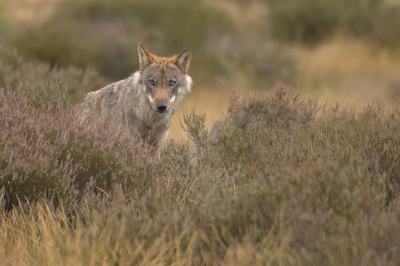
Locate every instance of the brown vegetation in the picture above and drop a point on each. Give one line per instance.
(279, 179)
(271, 183)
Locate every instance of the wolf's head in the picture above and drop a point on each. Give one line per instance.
(164, 79)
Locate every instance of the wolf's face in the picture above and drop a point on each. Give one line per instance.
(165, 79)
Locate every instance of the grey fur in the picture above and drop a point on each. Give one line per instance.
(129, 106)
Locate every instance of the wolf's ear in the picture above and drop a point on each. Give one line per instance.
(145, 57)
(182, 60)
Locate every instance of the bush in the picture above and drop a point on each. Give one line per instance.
(17, 71)
(313, 21)
(103, 35)
(261, 128)
(46, 154)
(273, 181)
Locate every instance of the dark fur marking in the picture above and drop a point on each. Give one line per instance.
(174, 90)
(110, 91)
(149, 90)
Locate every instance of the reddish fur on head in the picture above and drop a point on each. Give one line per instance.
(165, 78)
(182, 60)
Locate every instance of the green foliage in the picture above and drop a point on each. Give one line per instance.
(312, 21)
(157, 16)
(4, 23)
(103, 35)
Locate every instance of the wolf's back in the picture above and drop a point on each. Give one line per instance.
(99, 105)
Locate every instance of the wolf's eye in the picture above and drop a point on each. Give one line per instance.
(172, 83)
(151, 82)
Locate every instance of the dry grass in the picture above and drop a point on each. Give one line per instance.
(280, 179)
(351, 70)
(28, 11)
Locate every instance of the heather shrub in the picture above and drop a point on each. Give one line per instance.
(369, 134)
(283, 110)
(278, 180)
(321, 215)
(313, 21)
(261, 128)
(300, 203)
(16, 71)
(30, 169)
(45, 153)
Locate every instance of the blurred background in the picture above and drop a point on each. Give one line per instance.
(340, 50)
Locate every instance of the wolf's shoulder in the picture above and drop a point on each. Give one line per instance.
(119, 86)
(111, 89)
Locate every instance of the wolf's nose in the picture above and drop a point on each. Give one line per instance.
(161, 107)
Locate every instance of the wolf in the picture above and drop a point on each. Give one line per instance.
(142, 105)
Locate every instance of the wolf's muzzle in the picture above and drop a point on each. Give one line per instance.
(161, 107)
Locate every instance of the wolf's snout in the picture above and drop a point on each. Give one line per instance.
(161, 107)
